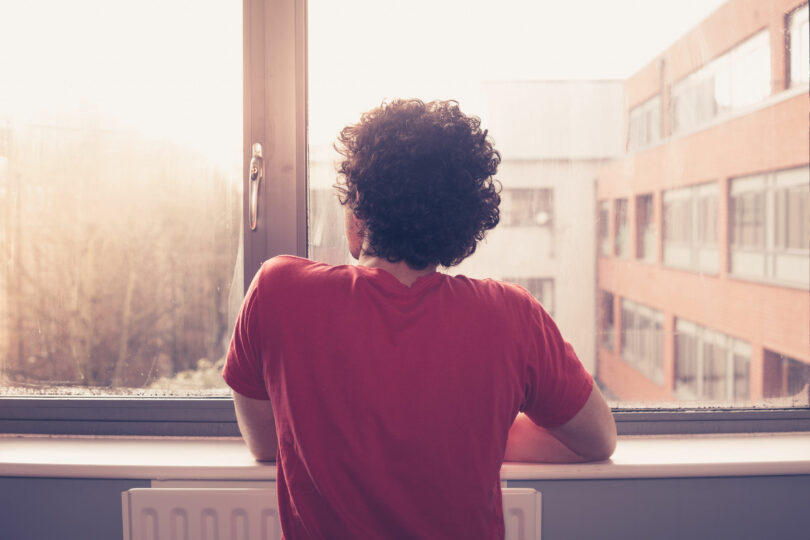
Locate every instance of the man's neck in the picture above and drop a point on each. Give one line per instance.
(400, 270)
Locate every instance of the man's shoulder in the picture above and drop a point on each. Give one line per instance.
(289, 265)
(285, 263)
(285, 271)
(496, 291)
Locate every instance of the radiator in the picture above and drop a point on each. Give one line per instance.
(248, 513)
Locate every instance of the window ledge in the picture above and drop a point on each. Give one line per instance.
(163, 458)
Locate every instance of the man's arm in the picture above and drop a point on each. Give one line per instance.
(589, 436)
(255, 418)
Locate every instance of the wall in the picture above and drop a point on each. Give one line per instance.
(673, 508)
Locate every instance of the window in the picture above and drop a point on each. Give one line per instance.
(791, 215)
(768, 216)
(785, 376)
(734, 80)
(527, 207)
(541, 288)
(606, 324)
(710, 365)
(121, 200)
(690, 228)
(642, 339)
(799, 47)
(645, 228)
(621, 244)
(748, 217)
(558, 124)
(604, 228)
(645, 123)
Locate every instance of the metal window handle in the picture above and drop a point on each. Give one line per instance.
(256, 174)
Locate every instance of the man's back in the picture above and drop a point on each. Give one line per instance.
(393, 403)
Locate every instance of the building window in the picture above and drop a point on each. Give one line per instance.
(710, 365)
(621, 244)
(642, 339)
(645, 228)
(799, 47)
(604, 228)
(791, 216)
(644, 124)
(527, 207)
(606, 324)
(748, 217)
(541, 288)
(690, 228)
(768, 217)
(784, 376)
(734, 80)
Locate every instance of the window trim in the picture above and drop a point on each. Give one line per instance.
(214, 417)
(271, 83)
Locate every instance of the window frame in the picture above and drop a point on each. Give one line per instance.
(796, 64)
(767, 185)
(271, 83)
(701, 83)
(690, 200)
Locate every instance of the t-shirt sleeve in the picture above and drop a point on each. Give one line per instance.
(559, 386)
(243, 366)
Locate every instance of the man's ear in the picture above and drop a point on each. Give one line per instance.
(355, 232)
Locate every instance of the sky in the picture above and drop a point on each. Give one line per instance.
(173, 69)
(364, 51)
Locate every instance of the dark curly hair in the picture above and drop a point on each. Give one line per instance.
(420, 175)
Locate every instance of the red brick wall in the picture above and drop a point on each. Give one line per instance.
(773, 137)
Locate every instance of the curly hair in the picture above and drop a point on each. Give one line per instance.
(420, 176)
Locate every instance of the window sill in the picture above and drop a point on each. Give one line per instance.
(764, 454)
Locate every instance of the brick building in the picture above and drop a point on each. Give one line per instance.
(703, 225)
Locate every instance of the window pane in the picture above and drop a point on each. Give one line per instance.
(120, 196)
(799, 47)
(527, 207)
(768, 217)
(603, 223)
(734, 79)
(620, 226)
(606, 320)
(682, 109)
(645, 228)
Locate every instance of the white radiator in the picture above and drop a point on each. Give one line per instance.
(202, 512)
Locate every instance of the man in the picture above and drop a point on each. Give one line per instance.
(394, 390)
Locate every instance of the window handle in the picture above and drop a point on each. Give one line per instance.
(256, 173)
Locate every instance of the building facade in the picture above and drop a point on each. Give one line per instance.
(703, 225)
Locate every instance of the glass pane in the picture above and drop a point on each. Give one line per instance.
(799, 47)
(675, 127)
(120, 196)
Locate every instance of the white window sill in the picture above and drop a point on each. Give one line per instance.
(228, 458)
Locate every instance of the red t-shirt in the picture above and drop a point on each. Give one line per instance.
(393, 403)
